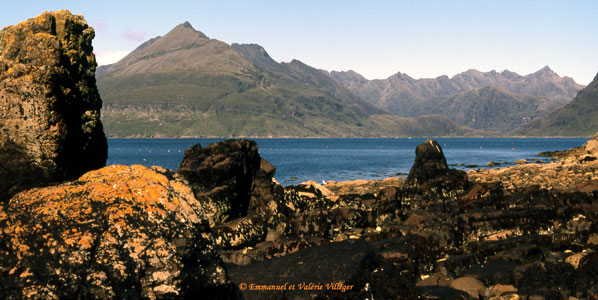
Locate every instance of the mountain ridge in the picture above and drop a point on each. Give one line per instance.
(186, 84)
(578, 118)
(406, 96)
(494, 108)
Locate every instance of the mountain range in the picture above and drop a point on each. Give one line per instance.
(487, 101)
(578, 118)
(186, 84)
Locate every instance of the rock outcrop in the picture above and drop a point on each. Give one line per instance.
(522, 232)
(591, 146)
(50, 127)
(431, 170)
(221, 176)
(118, 232)
(236, 188)
(573, 170)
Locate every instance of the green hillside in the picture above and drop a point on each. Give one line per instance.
(578, 118)
(186, 84)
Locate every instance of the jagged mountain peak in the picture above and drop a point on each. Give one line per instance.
(578, 118)
(182, 48)
(510, 74)
(297, 62)
(407, 97)
(401, 76)
(353, 73)
(186, 29)
(546, 71)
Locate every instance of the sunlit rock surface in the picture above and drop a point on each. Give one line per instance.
(118, 232)
(50, 127)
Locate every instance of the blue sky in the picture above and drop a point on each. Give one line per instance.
(374, 38)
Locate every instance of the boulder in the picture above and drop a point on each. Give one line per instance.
(470, 285)
(50, 128)
(221, 175)
(431, 170)
(232, 181)
(591, 146)
(118, 232)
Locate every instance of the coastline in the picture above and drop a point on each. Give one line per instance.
(326, 137)
(78, 223)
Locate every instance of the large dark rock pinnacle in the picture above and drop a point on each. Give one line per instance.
(232, 180)
(50, 128)
(430, 168)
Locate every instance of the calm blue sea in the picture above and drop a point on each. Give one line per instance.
(298, 160)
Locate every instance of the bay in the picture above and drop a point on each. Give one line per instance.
(339, 159)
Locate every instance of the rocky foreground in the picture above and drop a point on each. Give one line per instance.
(221, 227)
(523, 232)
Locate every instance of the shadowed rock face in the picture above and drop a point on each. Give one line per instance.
(116, 233)
(50, 127)
(431, 170)
(236, 189)
(222, 172)
(429, 163)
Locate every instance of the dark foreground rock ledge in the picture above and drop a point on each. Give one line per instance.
(50, 127)
(236, 188)
(478, 239)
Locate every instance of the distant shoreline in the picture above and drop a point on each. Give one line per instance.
(354, 137)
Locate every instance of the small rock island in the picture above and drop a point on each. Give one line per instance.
(221, 227)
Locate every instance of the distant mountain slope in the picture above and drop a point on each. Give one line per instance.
(303, 73)
(405, 96)
(493, 108)
(186, 84)
(577, 118)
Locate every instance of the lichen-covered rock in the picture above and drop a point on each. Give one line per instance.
(118, 232)
(50, 127)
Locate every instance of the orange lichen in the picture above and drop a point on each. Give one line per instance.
(116, 207)
(26, 273)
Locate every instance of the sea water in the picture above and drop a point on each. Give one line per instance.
(339, 159)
